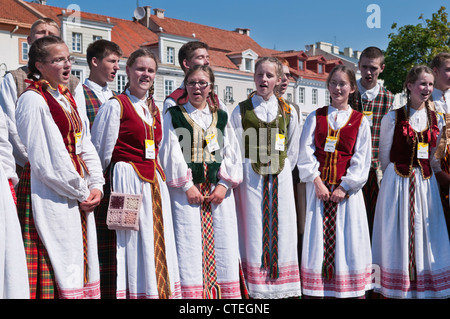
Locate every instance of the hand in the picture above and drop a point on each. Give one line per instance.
(194, 196)
(218, 194)
(338, 194)
(92, 201)
(322, 191)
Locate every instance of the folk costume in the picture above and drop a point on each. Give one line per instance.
(374, 104)
(146, 262)
(13, 265)
(336, 259)
(410, 242)
(11, 87)
(268, 134)
(199, 150)
(63, 167)
(95, 95)
(442, 107)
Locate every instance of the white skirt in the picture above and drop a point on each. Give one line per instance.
(353, 259)
(391, 235)
(188, 236)
(136, 277)
(249, 203)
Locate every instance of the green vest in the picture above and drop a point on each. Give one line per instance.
(199, 152)
(259, 140)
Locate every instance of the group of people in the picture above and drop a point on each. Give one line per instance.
(105, 195)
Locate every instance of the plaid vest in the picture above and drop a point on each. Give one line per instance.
(93, 103)
(379, 106)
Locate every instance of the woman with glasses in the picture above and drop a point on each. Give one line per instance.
(139, 262)
(201, 159)
(61, 183)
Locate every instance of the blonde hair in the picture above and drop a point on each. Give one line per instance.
(44, 21)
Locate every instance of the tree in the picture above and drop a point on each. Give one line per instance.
(413, 45)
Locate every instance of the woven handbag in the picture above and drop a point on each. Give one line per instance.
(123, 211)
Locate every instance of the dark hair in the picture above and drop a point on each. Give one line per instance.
(212, 103)
(352, 99)
(439, 59)
(39, 52)
(187, 50)
(100, 49)
(131, 60)
(372, 53)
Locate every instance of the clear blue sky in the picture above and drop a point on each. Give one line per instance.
(283, 24)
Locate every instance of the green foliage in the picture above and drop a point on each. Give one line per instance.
(413, 45)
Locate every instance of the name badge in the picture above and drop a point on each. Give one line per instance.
(422, 150)
(280, 142)
(150, 149)
(212, 143)
(78, 143)
(330, 144)
(369, 116)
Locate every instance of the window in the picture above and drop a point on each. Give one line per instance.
(301, 95)
(320, 68)
(121, 82)
(96, 37)
(249, 91)
(248, 65)
(289, 97)
(314, 96)
(168, 87)
(170, 55)
(77, 73)
(229, 94)
(327, 97)
(76, 42)
(300, 65)
(23, 51)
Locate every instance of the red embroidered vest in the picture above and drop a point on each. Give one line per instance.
(69, 123)
(334, 165)
(404, 152)
(130, 145)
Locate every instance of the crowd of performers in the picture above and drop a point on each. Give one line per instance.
(106, 195)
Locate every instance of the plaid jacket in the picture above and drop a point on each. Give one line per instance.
(379, 106)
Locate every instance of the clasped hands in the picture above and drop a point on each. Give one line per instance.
(322, 192)
(194, 196)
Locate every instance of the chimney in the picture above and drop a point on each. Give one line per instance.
(335, 49)
(242, 31)
(348, 52)
(159, 13)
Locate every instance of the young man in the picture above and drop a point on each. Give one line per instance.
(103, 58)
(441, 98)
(374, 101)
(14, 84)
(190, 54)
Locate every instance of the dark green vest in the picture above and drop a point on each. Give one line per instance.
(199, 150)
(265, 159)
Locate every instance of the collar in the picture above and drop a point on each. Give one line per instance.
(368, 94)
(190, 109)
(95, 86)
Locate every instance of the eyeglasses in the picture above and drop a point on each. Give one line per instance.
(62, 61)
(201, 84)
